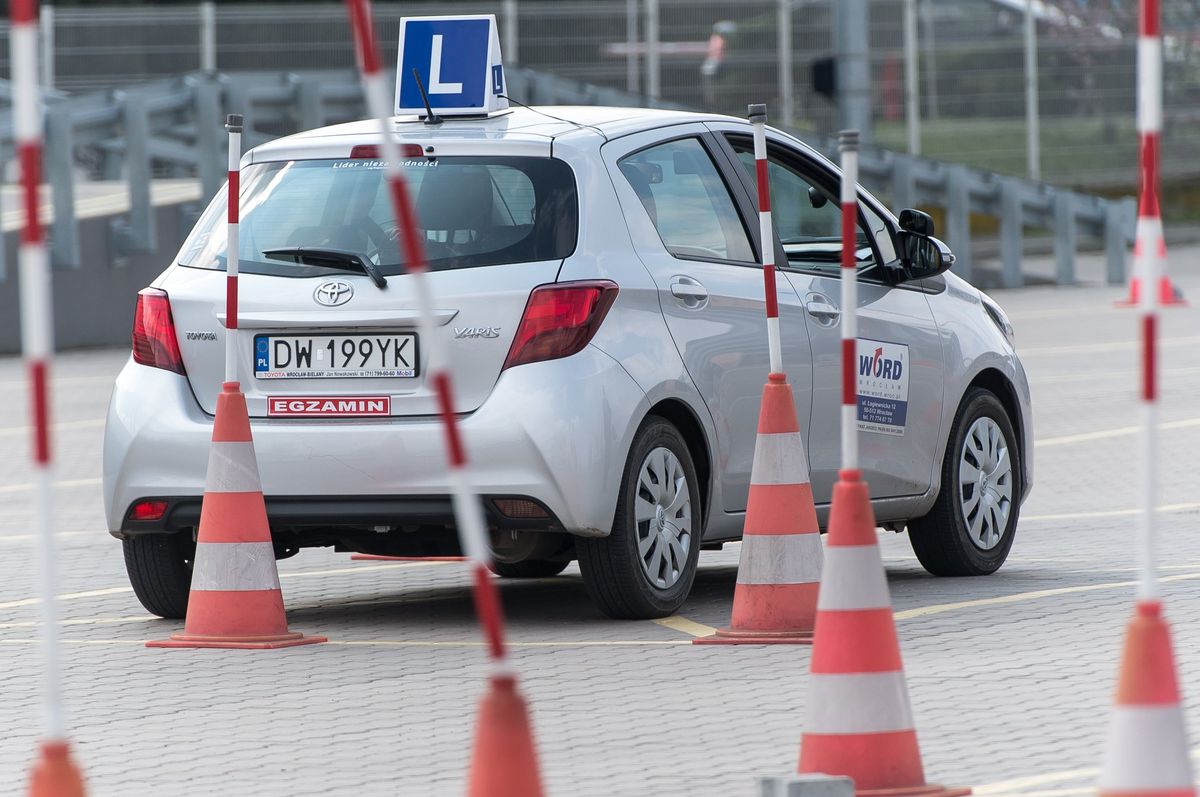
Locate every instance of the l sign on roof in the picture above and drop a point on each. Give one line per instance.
(458, 59)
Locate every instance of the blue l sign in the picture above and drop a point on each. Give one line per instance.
(458, 61)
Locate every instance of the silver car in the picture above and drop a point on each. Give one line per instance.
(597, 286)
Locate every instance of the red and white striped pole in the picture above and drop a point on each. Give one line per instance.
(504, 761)
(1146, 752)
(1151, 250)
(468, 513)
(1150, 282)
(848, 146)
(757, 114)
(54, 772)
(233, 124)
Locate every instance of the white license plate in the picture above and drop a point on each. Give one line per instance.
(335, 356)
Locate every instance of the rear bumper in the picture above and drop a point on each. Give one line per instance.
(555, 432)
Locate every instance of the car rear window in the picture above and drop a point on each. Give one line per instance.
(472, 211)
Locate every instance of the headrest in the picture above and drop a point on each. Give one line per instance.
(455, 198)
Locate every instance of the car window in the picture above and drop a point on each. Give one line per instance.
(808, 217)
(687, 200)
(472, 211)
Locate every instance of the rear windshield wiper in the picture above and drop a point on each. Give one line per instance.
(329, 258)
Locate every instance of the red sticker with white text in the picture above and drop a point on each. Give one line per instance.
(328, 406)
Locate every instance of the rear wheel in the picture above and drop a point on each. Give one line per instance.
(160, 570)
(645, 567)
(970, 529)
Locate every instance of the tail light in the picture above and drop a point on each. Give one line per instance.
(154, 341)
(560, 320)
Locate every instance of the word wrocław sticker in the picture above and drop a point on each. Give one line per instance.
(882, 386)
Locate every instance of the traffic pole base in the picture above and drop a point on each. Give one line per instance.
(54, 773)
(236, 643)
(734, 636)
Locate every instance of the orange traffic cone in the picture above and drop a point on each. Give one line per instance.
(859, 720)
(1150, 257)
(54, 773)
(235, 601)
(504, 763)
(775, 599)
(1147, 752)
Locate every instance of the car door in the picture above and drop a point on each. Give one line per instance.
(899, 357)
(692, 234)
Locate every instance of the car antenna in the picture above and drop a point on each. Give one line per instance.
(579, 125)
(431, 118)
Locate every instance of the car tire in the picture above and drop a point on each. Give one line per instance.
(160, 570)
(530, 568)
(617, 569)
(971, 527)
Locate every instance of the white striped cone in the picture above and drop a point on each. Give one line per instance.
(235, 599)
(779, 573)
(859, 721)
(1147, 752)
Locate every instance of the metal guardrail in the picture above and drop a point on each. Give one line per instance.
(173, 128)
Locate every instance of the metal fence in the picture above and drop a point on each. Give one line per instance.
(970, 59)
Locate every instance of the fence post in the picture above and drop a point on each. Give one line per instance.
(60, 165)
(958, 218)
(206, 116)
(903, 188)
(208, 37)
(312, 107)
(1011, 232)
(653, 67)
(138, 233)
(912, 85)
(1065, 238)
(46, 26)
(511, 29)
(1116, 239)
(787, 90)
(633, 76)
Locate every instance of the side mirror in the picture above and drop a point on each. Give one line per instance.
(923, 256)
(916, 221)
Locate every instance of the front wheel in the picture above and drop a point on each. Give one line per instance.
(645, 567)
(970, 529)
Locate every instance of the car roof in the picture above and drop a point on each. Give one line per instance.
(534, 126)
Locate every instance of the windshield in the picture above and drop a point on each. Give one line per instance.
(472, 211)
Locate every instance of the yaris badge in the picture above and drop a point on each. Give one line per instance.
(333, 293)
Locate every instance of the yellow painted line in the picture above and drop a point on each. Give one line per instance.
(95, 593)
(1191, 506)
(1077, 791)
(1107, 434)
(685, 626)
(1120, 345)
(565, 643)
(85, 621)
(70, 596)
(16, 431)
(941, 608)
(1016, 784)
(1092, 376)
(26, 487)
(404, 643)
(63, 381)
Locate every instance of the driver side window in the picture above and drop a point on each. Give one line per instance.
(808, 218)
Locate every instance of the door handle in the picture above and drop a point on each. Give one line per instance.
(823, 311)
(688, 291)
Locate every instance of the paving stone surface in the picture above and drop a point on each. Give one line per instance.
(1010, 676)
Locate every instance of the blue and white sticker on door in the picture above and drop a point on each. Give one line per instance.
(882, 386)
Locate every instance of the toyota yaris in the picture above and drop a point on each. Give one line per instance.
(598, 295)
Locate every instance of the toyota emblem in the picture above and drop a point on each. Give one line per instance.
(333, 293)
